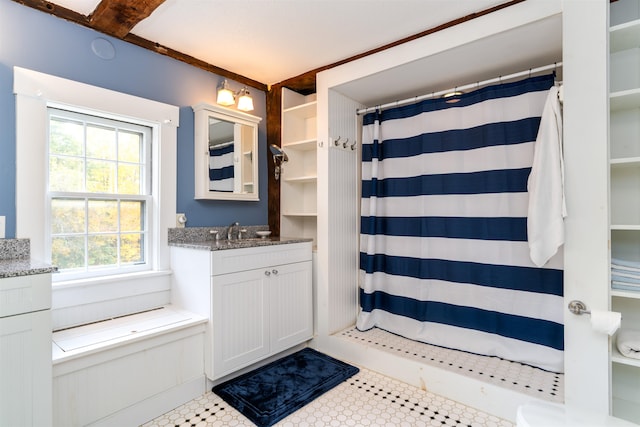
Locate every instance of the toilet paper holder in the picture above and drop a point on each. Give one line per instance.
(578, 307)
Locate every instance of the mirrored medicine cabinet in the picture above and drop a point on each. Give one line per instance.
(226, 153)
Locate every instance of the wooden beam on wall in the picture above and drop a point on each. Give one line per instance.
(274, 125)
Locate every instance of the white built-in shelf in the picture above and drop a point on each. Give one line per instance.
(625, 162)
(300, 214)
(301, 179)
(624, 36)
(302, 145)
(617, 357)
(624, 99)
(304, 111)
(625, 227)
(625, 294)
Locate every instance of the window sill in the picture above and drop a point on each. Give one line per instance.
(64, 284)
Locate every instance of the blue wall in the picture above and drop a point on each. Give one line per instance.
(41, 42)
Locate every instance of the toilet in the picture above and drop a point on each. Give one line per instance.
(539, 414)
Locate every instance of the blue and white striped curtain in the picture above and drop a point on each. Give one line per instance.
(221, 167)
(444, 257)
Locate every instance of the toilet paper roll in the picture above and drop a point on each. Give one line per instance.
(606, 322)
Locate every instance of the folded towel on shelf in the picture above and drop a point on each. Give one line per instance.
(628, 343)
(622, 286)
(625, 265)
(628, 273)
(625, 278)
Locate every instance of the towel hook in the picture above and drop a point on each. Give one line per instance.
(344, 144)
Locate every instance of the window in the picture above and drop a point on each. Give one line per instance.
(98, 192)
(115, 286)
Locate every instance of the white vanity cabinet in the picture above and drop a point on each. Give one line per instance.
(259, 300)
(25, 350)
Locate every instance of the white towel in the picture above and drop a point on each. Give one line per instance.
(622, 286)
(547, 209)
(628, 343)
(626, 278)
(625, 265)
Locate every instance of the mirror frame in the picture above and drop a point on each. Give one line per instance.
(202, 112)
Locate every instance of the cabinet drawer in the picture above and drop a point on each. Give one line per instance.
(24, 294)
(233, 260)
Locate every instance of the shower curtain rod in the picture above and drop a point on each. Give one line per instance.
(460, 88)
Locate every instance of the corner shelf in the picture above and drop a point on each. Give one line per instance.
(624, 36)
(624, 192)
(617, 357)
(624, 99)
(305, 110)
(302, 179)
(301, 214)
(298, 191)
(302, 145)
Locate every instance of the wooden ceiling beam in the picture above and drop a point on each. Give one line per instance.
(118, 17)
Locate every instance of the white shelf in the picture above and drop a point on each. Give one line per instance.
(625, 294)
(304, 111)
(625, 227)
(624, 36)
(625, 162)
(302, 179)
(302, 145)
(617, 357)
(300, 214)
(624, 99)
(298, 196)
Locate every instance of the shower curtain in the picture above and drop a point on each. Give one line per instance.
(444, 257)
(221, 168)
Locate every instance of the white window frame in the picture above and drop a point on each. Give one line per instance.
(112, 295)
(146, 196)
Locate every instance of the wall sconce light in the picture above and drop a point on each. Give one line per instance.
(227, 97)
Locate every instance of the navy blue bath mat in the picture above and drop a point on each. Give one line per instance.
(272, 392)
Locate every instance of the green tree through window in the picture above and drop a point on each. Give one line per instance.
(99, 192)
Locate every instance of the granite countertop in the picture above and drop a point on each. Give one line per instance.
(218, 245)
(15, 259)
(23, 267)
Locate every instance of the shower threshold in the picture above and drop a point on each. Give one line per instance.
(515, 376)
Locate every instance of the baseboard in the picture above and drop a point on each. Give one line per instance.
(155, 406)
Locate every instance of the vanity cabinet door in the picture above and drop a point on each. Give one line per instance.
(240, 321)
(290, 293)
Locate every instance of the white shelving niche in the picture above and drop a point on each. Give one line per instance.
(624, 162)
(298, 190)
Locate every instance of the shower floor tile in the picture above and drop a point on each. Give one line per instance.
(505, 373)
(366, 399)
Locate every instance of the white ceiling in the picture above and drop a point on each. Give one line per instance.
(523, 48)
(273, 40)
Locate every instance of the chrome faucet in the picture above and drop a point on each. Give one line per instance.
(230, 230)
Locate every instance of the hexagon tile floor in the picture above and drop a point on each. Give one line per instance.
(366, 399)
(504, 373)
